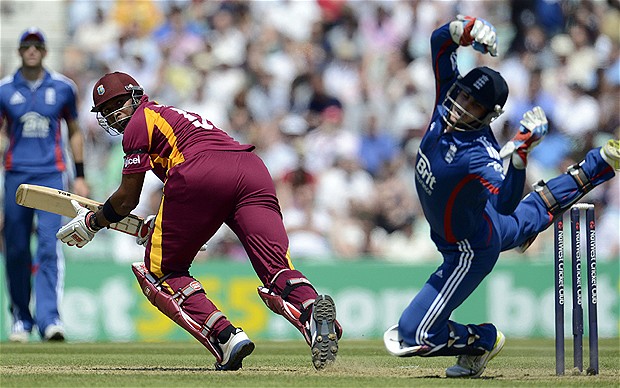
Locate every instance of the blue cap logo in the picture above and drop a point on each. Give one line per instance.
(100, 90)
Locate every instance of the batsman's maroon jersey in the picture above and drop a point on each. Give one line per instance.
(209, 179)
(160, 137)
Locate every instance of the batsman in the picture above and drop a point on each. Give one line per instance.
(474, 205)
(209, 179)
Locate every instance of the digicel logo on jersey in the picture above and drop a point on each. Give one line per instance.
(129, 160)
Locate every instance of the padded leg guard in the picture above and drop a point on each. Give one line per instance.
(395, 345)
(170, 305)
(285, 309)
(555, 207)
(298, 317)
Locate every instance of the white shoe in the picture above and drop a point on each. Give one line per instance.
(611, 153)
(324, 343)
(235, 350)
(473, 366)
(20, 336)
(19, 333)
(54, 333)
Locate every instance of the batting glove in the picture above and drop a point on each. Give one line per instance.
(146, 230)
(477, 32)
(78, 231)
(534, 127)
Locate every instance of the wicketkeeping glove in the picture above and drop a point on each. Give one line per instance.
(478, 33)
(534, 127)
(77, 231)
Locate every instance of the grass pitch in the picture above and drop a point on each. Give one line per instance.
(285, 364)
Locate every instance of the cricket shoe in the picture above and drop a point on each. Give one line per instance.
(238, 347)
(19, 333)
(324, 338)
(473, 366)
(611, 153)
(54, 333)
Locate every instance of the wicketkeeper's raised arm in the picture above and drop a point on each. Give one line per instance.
(464, 31)
(478, 33)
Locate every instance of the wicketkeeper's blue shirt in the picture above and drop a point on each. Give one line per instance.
(457, 173)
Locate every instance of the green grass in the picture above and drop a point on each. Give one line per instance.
(523, 362)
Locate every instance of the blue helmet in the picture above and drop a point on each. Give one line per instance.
(487, 87)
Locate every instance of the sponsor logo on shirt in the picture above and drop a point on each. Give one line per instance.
(423, 173)
(34, 125)
(131, 160)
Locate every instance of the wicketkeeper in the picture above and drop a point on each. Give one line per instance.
(472, 204)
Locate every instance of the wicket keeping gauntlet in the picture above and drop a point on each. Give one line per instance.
(477, 32)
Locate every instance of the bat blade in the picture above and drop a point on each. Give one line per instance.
(59, 202)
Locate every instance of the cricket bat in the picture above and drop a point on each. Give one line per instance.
(59, 202)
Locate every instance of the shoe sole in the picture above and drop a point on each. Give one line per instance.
(19, 338)
(325, 346)
(241, 351)
(611, 153)
(499, 345)
(56, 337)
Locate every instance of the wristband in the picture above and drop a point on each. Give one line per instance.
(110, 214)
(79, 169)
(91, 221)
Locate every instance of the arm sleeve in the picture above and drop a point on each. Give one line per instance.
(69, 110)
(504, 190)
(511, 191)
(443, 52)
(136, 145)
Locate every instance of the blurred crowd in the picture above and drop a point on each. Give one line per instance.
(337, 94)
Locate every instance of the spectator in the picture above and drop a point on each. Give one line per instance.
(307, 226)
(378, 149)
(390, 77)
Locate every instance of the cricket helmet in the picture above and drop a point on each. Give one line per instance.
(487, 87)
(110, 86)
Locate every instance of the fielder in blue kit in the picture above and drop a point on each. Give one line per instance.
(33, 101)
(473, 204)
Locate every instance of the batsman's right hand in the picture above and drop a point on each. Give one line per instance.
(146, 230)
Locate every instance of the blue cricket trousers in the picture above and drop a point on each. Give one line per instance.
(465, 264)
(47, 267)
